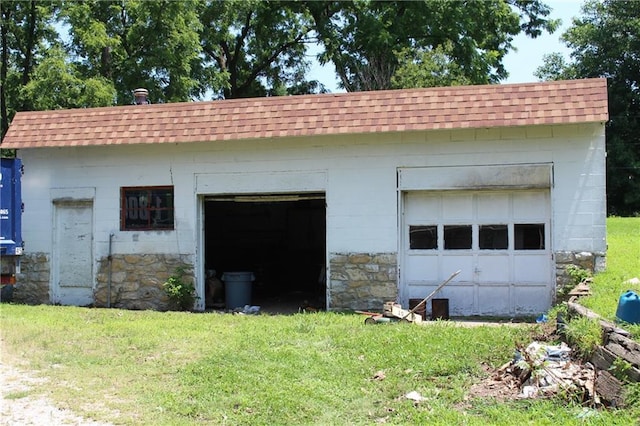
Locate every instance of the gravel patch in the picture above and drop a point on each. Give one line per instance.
(20, 404)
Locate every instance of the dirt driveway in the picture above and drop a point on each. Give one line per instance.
(21, 405)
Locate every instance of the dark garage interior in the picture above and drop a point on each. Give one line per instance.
(279, 238)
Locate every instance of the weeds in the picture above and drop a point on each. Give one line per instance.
(584, 335)
(623, 236)
(632, 394)
(578, 274)
(620, 369)
(181, 292)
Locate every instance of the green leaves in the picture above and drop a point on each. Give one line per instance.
(57, 84)
(432, 68)
(26, 29)
(181, 291)
(373, 44)
(257, 46)
(151, 44)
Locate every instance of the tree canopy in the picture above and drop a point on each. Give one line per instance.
(81, 53)
(368, 42)
(25, 30)
(605, 42)
(136, 43)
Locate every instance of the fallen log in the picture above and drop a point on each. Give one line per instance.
(606, 325)
(624, 347)
(604, 359)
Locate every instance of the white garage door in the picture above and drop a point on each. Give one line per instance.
(500, 240)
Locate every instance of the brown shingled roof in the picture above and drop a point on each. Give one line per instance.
(462, 107)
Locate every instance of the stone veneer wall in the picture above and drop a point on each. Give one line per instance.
(593, 262)
(136, 280)
(362, 280)
(357, 281)
(32, 283)
(367, 280)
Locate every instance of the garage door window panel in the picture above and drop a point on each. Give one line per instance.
(529, 236)
(423, 237)
(493, 237)
(457, 237)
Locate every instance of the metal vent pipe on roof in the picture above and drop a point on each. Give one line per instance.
(141, 96)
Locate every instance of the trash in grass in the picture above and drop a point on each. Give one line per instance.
(415, 396)
(586, 413)
(247, 310)
(633, 281)
(545, 370)
(379, 375)
(542, 319)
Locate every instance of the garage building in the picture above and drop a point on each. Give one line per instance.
(338, 201)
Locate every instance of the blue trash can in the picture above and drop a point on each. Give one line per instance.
(237, 289)
(629, 308)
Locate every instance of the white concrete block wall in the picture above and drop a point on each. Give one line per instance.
(579, 193)
(360, 181)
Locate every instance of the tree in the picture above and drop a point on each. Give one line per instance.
(369, 41)
(136, 43)
(430, 69)
(191, 49)
(555, 67)
(605, 42)
(259, 46)
(56, 84)
(25, 31)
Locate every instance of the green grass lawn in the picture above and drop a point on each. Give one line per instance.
(623, 263)
(133, 367)
(176, 368)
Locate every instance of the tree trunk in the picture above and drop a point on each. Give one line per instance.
(30, 42)
(4, 118)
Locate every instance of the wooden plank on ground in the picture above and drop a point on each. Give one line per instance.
(624, 348)
(609, 389)
(604, 359)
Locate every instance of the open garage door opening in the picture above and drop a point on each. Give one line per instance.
(278, 241)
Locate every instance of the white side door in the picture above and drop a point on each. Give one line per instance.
(73, 253)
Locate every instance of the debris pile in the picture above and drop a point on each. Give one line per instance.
(542, 370)
(247, 310)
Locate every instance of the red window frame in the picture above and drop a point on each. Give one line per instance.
(146, 208)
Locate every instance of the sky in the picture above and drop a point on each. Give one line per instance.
(520, 64)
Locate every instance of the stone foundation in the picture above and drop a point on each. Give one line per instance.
(357, 281)
(136, 280)
(362, 280)
(32, 283)
(593, 262)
